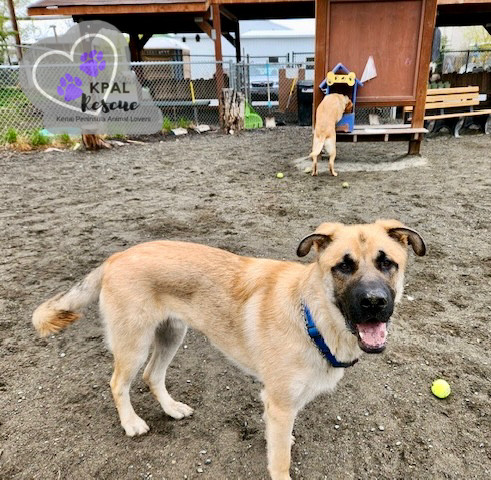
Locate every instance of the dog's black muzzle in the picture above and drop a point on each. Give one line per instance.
(367, 307)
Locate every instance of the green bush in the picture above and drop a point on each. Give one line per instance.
(11, 135)
(38, 139)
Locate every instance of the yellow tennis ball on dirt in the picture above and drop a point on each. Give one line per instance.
(345, 185)
(440, 388)
(279, 175)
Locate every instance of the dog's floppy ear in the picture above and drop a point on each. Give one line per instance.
(320, 239)
(349, 105)
(405, 235)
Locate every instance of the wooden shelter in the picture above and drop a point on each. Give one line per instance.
(143, 18)
(397, 33)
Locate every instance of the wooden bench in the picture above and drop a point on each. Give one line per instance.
(455, 110)
(376, 133)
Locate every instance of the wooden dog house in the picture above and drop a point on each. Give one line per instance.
(398, 35)
(344, 83)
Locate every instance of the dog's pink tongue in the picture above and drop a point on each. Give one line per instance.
(373, 334)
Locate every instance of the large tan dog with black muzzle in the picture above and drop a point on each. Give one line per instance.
(270, 317)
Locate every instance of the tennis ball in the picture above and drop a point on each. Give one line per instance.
(279, 175)
(440, 388)
(345, 185)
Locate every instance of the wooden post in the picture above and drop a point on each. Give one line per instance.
(237, 42)
(428, 27)
(321, 50)
(217, 31)
(134, 44)
(15, 28)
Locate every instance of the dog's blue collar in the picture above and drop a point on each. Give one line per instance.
(315, 335)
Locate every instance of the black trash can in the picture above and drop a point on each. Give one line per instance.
(305, 99)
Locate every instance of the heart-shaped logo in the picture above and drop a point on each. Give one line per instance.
(69, 86)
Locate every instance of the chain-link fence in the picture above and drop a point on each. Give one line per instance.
(188, 92)
(16, 111)
(466, 61)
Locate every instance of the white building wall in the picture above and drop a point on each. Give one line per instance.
(277, 44)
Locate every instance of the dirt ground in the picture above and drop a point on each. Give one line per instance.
(64, 213)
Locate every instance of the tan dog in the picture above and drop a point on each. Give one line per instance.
(327, 115)
(253, 310)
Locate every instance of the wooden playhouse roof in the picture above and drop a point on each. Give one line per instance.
(171, 16)
(242, 9)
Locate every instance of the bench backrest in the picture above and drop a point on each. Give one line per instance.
(450, 98)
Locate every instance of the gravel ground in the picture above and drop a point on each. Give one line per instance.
(64, 213)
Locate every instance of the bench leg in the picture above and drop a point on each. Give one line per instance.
(430, 125)
(484, 123)
(434, 126)
(458, 126)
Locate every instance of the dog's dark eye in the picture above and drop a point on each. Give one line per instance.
(384, 263)
(347, 266)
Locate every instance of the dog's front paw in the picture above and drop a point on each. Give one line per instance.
(280, 475)
(177, 410)
(135, 426)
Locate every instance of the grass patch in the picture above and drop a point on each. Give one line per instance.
(39, 139)
(65, 140)
(11, 136)
(168, 124)
(184, 123)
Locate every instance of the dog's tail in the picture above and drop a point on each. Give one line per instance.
(65, 308)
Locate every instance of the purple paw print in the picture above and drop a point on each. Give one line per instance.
(92, 63)
(69, 88)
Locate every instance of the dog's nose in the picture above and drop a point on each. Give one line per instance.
(374, 300)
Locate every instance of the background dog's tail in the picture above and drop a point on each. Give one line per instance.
(65, 308)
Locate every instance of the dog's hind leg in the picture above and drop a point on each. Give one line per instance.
(167, 339)
(316, 151)
(130, 350)
(330, 147)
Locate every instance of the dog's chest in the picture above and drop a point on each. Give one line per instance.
(318, 380)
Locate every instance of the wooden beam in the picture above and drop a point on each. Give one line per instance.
(237, 42)
(200, 7)
(229, 38)
(205, 27)
(321, 50)
(217, 27)
(254, 2)
(428, 26)
(226, 13)
(15, 28)
(135, 51)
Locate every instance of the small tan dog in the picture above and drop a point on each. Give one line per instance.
(270, 317)
(327, 115)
